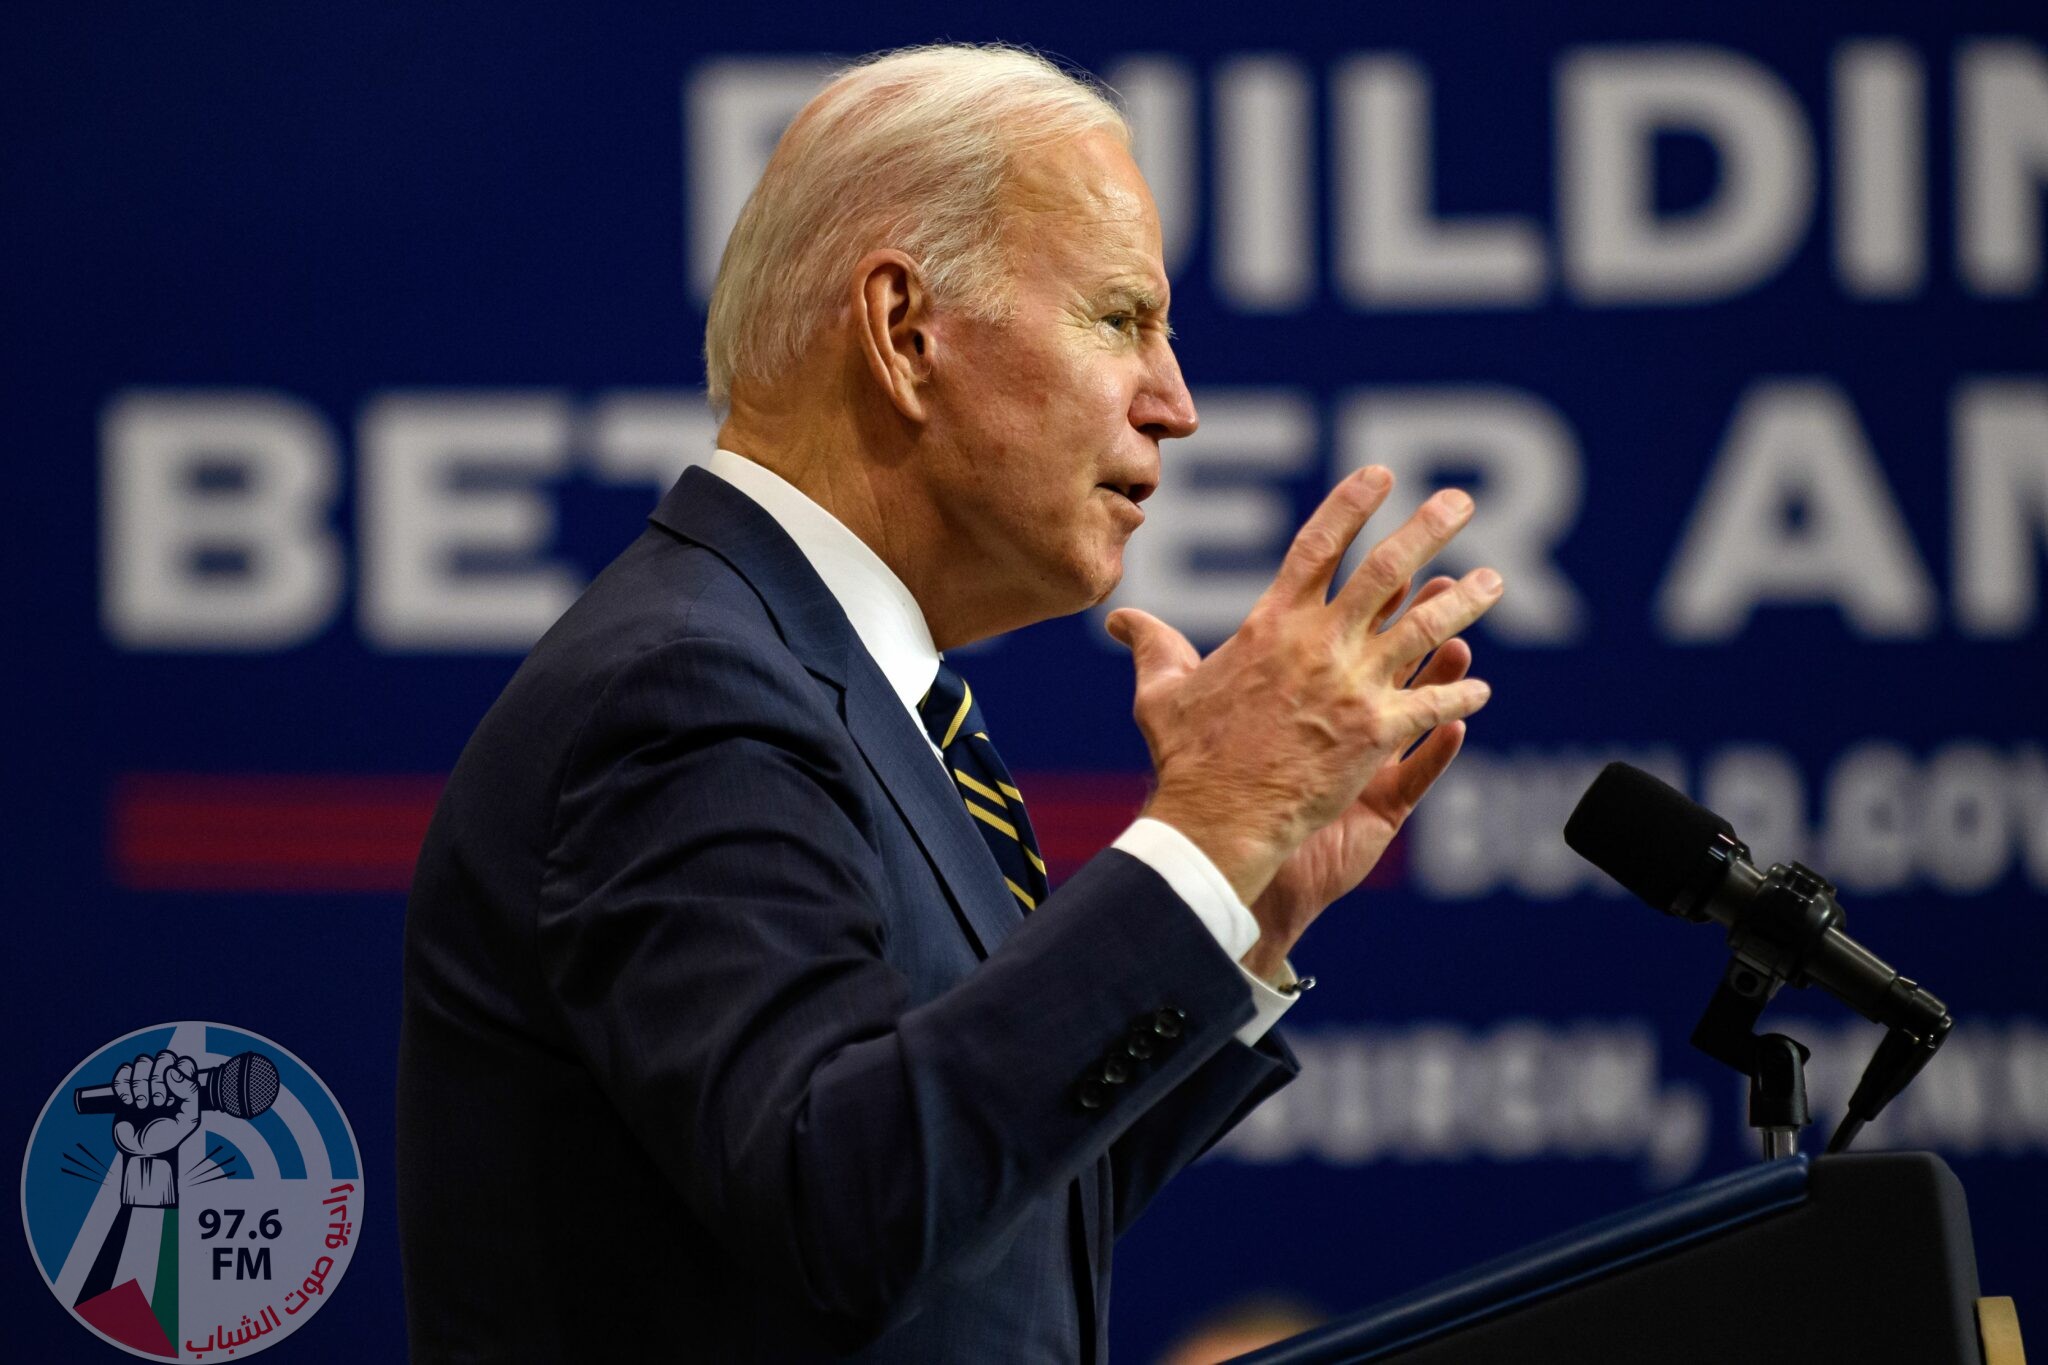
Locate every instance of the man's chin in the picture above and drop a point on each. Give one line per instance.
(1088, 587)
(1106, 581)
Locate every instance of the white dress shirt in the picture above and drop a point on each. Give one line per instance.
(892, 628)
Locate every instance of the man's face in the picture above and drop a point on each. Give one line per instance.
(1046, 425)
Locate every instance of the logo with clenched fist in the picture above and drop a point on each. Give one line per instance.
(192, 1192)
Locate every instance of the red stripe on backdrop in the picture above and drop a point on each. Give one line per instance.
(1075, 815)
(268, 832)
(278, 832)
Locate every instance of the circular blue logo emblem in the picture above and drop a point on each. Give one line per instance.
(192, 1192)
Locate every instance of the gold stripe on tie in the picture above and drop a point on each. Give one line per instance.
(991, 818)
(966, 700)
(991, 794)
(1036, 861)
(1021, 894)
(1009, 790)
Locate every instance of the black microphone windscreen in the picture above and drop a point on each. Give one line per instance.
(245, 1085)
(1645, 834)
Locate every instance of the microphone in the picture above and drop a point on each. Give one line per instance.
(1784, 925)
(242, 1087)
(1683, 859)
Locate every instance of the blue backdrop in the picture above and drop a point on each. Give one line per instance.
(345, 343)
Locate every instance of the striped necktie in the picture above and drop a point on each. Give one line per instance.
(953, 720)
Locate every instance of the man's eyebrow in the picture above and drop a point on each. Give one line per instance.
(1137, 292)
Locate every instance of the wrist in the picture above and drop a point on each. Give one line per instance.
(1267, 960)
(149, 1182)
(1246, 861)
(1283, 916)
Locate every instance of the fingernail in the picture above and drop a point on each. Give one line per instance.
(1375, 476)
(1487, 579)
(1458, 500)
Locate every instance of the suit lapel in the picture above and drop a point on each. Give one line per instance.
(708, 511)
(896, 750)
(705, 509)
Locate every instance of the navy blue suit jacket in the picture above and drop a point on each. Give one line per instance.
(723, 1039)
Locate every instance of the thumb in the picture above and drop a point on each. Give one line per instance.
(1155, 646)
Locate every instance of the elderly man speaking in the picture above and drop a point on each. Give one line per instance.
(740, 1022)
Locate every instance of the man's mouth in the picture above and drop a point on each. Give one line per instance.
(1133, 492)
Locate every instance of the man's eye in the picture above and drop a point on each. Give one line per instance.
(1121, 322)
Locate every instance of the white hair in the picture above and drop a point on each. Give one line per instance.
(910, 149)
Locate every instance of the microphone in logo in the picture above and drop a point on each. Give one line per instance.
(242, 1087)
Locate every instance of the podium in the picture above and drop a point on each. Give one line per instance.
(1863, 1258)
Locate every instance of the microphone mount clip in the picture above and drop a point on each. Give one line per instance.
(1774, 1062)
(1775, 925)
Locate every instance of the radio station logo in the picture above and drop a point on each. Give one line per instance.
(192, 1192)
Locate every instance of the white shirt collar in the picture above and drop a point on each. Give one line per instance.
(885, 616)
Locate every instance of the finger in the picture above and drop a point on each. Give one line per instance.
(159, 1079)
(1157, 649)
(1450, 662)
(1320, 544)
(1443, 616)
(1392, 605)
(122, 1092)
(1435, 587)
(1420, 770)
(1428, 707)
(138, 1082)
(1394, 560)
(183, 1079)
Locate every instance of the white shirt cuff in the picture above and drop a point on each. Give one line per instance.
(1207, 892)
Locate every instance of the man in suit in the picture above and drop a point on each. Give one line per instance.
(740, 1021)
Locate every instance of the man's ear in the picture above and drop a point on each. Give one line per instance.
(892, 319)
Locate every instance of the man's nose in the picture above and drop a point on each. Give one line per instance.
(1163, 407)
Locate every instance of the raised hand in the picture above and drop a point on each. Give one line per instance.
(1332, 862)
(1279, 754)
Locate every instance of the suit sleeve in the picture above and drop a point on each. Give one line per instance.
(1193, 1118)
(712, 932)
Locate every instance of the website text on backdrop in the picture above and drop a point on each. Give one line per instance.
(738, 1024)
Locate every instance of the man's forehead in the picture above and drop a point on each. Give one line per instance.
(1092, 189)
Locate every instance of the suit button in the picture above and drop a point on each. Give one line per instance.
(1115, 1070)
(1139, 1046)
(1169, 1023)
(1091, 1093)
